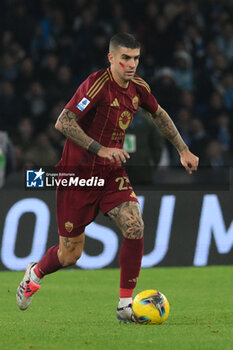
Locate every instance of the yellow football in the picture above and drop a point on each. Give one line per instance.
(150, 307)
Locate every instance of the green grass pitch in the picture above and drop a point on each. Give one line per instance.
(76, 309)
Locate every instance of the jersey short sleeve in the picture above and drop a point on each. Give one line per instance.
(147, 99)
(88, 94)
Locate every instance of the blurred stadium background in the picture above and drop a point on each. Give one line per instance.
(47, 49)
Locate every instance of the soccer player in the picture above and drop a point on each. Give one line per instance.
(94, 122)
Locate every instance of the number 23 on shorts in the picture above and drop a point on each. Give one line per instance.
(124, 183)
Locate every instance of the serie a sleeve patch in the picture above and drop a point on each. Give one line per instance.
(83, 104)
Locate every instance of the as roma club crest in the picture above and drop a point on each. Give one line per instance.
(69, 226)
(135, 102)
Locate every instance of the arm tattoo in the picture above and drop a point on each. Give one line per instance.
(168, 129)
(128, 218)
(72, 130)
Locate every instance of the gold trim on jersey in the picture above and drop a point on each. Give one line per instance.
(99, 87)
(109, 73)
(115, 103)
(141, 82)
(97, 84)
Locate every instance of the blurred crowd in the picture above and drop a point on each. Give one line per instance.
(49, 47)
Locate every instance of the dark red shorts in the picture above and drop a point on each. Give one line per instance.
(76, 208)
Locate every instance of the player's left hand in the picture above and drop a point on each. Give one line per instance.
(114, 154)
(189, 160)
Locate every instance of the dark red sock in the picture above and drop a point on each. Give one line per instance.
(49, 263)
(130, 262)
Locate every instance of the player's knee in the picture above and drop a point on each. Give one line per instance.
(70, 259)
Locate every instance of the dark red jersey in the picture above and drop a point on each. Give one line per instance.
(105, 111)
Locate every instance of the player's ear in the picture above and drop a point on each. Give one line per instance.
(110, 57)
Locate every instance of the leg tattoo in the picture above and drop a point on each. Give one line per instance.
(128, 218)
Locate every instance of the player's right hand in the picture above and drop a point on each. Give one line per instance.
(113, 154)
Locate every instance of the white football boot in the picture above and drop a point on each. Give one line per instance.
(26, 289)
(125, 313)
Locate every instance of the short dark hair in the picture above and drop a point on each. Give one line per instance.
(124, 40)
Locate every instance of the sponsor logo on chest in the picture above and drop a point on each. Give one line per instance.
(124, 120)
